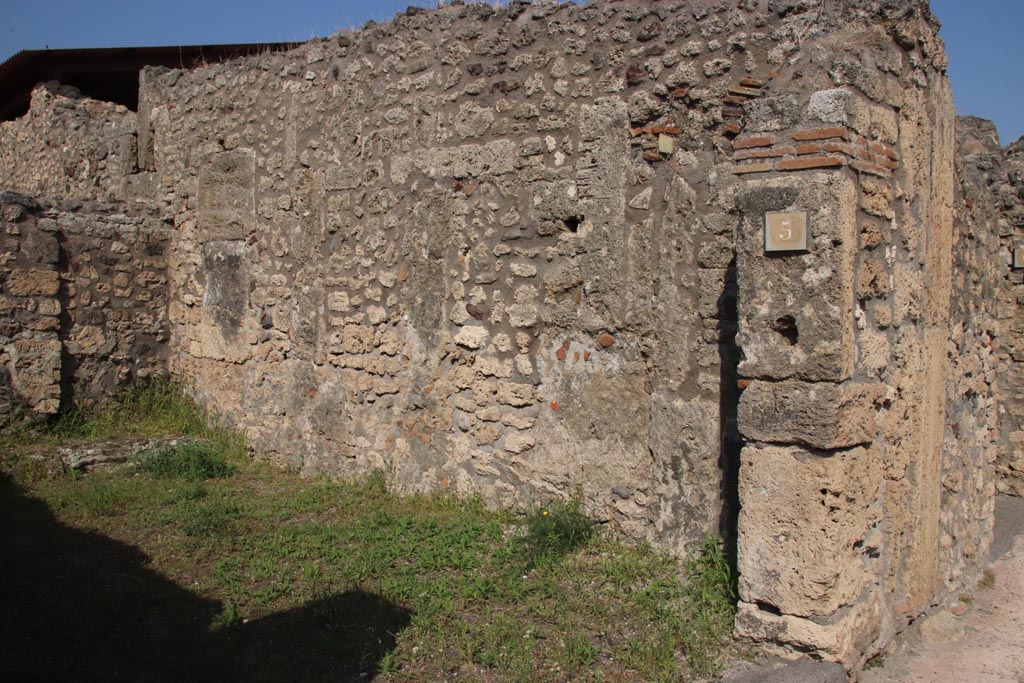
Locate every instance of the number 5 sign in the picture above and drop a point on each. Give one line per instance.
(785, 231)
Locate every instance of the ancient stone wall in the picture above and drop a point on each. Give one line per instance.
(114, 276)
(83, 302)
(484, 251)
(992, 187)
(522, 254)
(68, 146)
(864, 495)
(30, 349)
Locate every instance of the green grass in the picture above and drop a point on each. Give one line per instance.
(192, 460)
(150, 408)
(555, 530)
(351, 581)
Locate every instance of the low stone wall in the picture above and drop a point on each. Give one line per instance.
(30, 349)
(114, 273)
(84, 300)
(68, 146)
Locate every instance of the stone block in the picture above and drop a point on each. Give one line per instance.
(39, 247)
(34, 365)
(795, 309)
(837, 640)
(227, 196)
(818, 415)
(804, 527)
(32, 282)
(226, 296)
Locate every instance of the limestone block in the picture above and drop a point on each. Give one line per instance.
(819, 415)
(226, 296)
(519, 443)
(34, 366)
(89, 340)
(472, 336)
(513, 394)
(685, 445)
(32, 282)
(840, 640)
(39, 246)
(357, 338)
(804, 527)
(227, 196)
(795, 309)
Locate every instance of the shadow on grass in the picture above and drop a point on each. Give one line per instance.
(80, 606)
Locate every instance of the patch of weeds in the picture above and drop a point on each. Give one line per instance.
(227, 574)
(578, 652)
(98, 496)
(876, 662)
(376, 484)
(712, 579)
(152, 407)
(190, 491)
(207, 520)
(388, 663)
(229, 616)
(556, 530)
(988, 579)
(710, 601)
(191, 460)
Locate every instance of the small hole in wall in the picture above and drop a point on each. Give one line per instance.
(572, 223)
(786, 326)
(768, 607)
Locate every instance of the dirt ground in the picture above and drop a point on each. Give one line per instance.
(985, 644)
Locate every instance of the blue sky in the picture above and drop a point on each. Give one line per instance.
(983, 37)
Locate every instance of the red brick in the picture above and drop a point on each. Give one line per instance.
(884, 161)
(733, 129)
(751, 83)
(679, 93)
(743, 383)
(665, 130)
(752, 168)
(879, 148)
(753, 141)
(746, 92)
(873, 169)
(822, 134)
(733, 99)
(555, 406)
(652, 155)
(847, 149)
(732, 112)
(810, 162)
(606, 340)
(762, 153)
(808, 148)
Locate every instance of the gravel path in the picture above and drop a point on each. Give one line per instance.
(983, 645)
